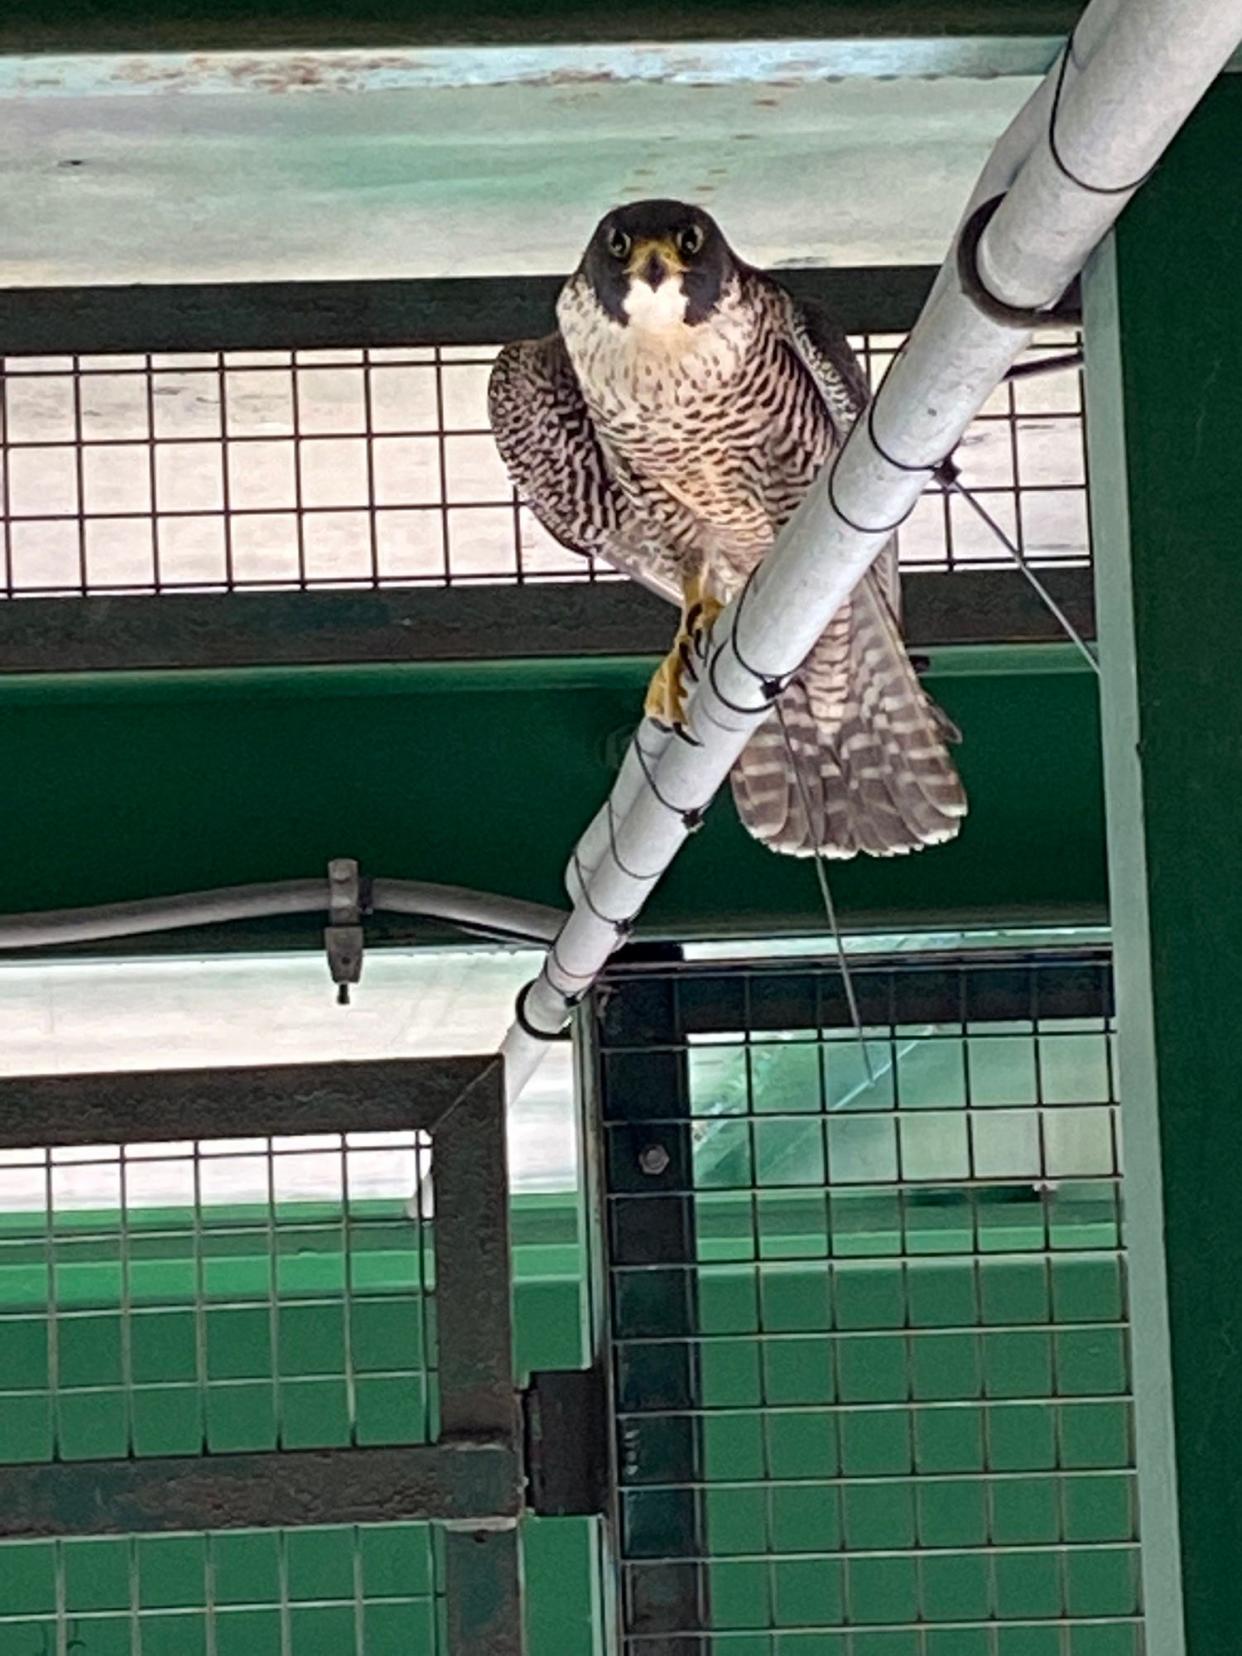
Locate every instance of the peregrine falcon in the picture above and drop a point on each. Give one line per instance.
(670, 427)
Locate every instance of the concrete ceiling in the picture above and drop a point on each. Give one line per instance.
(472, 163)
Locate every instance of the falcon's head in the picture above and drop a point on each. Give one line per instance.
(658, 265)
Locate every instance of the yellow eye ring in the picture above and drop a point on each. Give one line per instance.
(691, 240)
(619, 243)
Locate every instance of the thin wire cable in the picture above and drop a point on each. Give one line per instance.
(1041, 366)
(1049, 602)
(830, 908)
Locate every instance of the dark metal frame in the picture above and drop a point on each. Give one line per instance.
(634, 1031)
(473, 1477)
(306, 316)
(313, 25)
(468, 623)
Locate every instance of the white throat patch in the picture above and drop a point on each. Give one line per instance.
(660, 310)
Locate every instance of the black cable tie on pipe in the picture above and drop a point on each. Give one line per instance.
(867, 528)
(944, 471)
(629, 873)
(585, 978)
(737, 616)
(889, 459)
(691, 816)
(972, 285)
(524, 1023)
(734, 707)
(770, 684)
(584, 891)
(1058, 159)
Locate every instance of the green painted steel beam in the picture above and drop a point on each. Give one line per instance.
(126, 786)
(421, 627)
(1164, 321)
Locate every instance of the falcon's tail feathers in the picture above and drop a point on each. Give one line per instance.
(874, 773)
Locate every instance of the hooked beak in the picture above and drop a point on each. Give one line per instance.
(652, 261)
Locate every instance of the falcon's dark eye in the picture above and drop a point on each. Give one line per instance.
(691, 240)
(619, 243)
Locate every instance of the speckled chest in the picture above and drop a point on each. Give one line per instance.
(715, 429)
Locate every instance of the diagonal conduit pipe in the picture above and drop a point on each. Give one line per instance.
(1054, 186)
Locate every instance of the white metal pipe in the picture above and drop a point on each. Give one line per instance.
(53, 927)
(497, 916)
(1144, 66)
(500, 917)
(1030, 125)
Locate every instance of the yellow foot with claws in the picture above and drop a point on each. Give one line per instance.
(667, 692)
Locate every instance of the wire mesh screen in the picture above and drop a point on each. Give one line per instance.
(366, 468)
(248, 1402)
(880, 1405)
(316, 1592)
(221, 1295)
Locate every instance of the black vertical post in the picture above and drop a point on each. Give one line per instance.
(650, 1268)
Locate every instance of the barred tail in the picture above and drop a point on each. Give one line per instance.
(874, 772)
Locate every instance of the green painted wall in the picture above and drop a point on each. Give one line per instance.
(1164, 333)
(130, 787)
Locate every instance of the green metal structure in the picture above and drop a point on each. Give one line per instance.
(1162, 316)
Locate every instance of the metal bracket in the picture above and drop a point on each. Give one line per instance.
(342, 936)
(566, 1419)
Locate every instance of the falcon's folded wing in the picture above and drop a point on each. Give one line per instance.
(543, 430)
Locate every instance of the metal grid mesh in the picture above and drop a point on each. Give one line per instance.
(365, 468)
(886, 1410)
(187, 1298)
(313, 1592)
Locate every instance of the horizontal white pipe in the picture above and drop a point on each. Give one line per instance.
(507, 917)
(1143, 66)
(497, 916)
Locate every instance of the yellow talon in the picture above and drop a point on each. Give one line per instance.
(666, 694)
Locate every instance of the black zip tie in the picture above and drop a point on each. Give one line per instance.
(1017, 316)
(863, 528)
(770, 685)
(742, 596)
(524, 1023)
(935, 467)
(944, 471)
(621, 927)
(972, 285)
(1058, 158)
(691, 816)
(735, 707)
(612, 843)
(585, 978)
